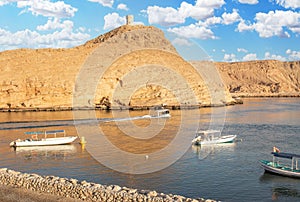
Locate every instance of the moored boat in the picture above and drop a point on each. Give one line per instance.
(45, 140)
(206, 137)
(278, 168)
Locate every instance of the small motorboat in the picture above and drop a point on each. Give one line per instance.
(158, 113)
(205, 137)
(162, 113)
(45, 140)
(275, 167)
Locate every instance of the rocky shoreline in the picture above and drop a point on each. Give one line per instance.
(82, 190)
(172, 107)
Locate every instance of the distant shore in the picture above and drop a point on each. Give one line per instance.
(238, 100)
(58, 189)
(133, 108)
(272, 95)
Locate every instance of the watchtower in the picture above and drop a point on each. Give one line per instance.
(129, 19)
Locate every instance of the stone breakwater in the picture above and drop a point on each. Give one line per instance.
(86, 191)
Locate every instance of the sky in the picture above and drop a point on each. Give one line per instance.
(230, 31)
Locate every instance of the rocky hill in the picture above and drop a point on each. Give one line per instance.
(133, 66)
(137, 60)
(261, 78)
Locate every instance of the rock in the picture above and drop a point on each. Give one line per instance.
(152, 194)
(83, 190)
(116, 188)
(3, 170)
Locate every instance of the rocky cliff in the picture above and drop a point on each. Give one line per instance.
(261, 78)
(142, 69)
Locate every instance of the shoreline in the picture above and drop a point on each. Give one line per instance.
(131, 108)
(82, 190)
(236, 97)
(246, 95)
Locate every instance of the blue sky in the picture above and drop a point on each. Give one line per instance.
(233, 30)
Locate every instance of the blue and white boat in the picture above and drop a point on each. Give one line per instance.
(45, 140)
(279, 168)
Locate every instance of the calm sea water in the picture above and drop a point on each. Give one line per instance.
(230, 172)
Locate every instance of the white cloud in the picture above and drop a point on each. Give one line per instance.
(243, 26)
(273, 24)
(249, 57)
(4, 2)
(168, 16)
(32, 39)
(293, 55)
(181, 42)
(229, 18)
(242, 50)
(113, 20)
(211, 21)
(226, 19)
(164, 16)
(269, 56)
(107, 3)
(122, 7)
(196, 12)
(289, 3)
(248, 1)
(230, 57)
(193, 31)
(47, 8)
(53, 24)
(210, 3)
(202, 30)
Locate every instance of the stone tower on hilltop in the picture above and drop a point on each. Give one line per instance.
(129, 19)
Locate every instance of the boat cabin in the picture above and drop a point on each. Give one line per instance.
(294, 158)
(208, 134)
(35, 134)
(163, 112)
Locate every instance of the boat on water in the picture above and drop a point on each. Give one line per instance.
(162, 113)
(275, 167)
(158, 113)
(206, 137)
(41, 138)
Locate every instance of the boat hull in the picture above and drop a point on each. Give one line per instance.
(218, 140)
(44, 142)
(279, 170)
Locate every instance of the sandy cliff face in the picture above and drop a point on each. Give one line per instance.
(46, 78)
(261, 78)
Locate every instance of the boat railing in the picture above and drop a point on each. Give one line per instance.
(294, 158)
(35, 134)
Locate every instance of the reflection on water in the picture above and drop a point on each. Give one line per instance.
(283, 188)
(278, 192)
(205, 151)
(45, 152)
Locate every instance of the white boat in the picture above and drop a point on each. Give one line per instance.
(162, 113)
(158, 113)
(35, 140)
(206, 137)
(278, 168)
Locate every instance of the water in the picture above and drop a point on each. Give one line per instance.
(229, 172)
